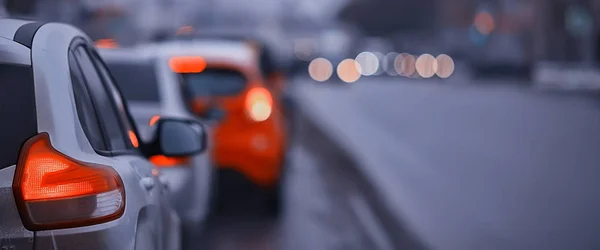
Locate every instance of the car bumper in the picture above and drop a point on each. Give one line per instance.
(119, 234)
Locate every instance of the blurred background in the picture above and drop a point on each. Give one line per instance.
(531, 44)
(518, 36)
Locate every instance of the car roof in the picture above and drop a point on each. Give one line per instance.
(125, 55)
(222, 35)
(234, 52)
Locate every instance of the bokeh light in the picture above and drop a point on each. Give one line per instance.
(380, 57)
(426, 65)
(445, 66)
(304, 49)
(349, 70)
(369, 63)
(320, 69)
(405, 64)
(484, 23)
(388, 63)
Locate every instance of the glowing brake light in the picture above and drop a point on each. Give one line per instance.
(106, 44)
(55, 191)
(187, 64)
(154, 120)
(164, 161)
(259, 104)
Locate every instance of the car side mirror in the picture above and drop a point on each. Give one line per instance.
(179, 137)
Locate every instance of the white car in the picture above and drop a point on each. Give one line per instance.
(73, 174)
(151, 93)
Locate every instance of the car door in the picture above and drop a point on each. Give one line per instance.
(119, 141)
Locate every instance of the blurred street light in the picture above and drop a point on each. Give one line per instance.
(320, 69)
(349, 70)
(405, 64)
(388, 64)
(426, 65)
(369, 63)
(445, 66)
(484, 23)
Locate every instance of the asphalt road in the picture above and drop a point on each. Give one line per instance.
(492, 165)
(484, 166)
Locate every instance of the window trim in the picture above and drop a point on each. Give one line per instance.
(77, 42)
(85, 89)
(129, 150)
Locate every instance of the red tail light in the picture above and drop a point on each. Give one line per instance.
(187, 64)
(56, 191)
(259, 104)
(164, 161)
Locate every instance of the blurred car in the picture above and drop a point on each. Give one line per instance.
(503, 45)
(276, 79)
(73, 174)
(277, 70)
(150, 96)
(273, 70)
(222, 77)
(503, 56)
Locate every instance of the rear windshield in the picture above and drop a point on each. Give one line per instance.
(215, 82)
(17, 109)
(137, 80)
(267, 64)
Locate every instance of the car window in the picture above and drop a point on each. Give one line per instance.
(215, 82)
(115, 94)
(105, 106)
(136, 80)
(17, 109)
(88, 117)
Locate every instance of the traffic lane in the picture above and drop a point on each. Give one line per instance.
(240, 232)
(473, 166)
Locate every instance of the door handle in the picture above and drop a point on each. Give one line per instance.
(148, 183)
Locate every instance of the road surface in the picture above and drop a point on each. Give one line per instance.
(490, 166)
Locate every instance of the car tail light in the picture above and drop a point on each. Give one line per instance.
(107, 44)
(187, 64)
(259, 104)
(56, 191)
(164, 161)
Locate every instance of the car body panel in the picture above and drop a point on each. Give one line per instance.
(190, 185)
(13, 235)
(235, 137)
(57, 116)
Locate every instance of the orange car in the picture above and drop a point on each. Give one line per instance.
(250, 138)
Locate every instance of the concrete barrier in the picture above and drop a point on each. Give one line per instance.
(335, 205)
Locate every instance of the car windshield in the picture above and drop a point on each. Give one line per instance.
(17, 106)
(137, 80)
(215, 82)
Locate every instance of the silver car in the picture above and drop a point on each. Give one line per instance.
(73, 174)
(150, 93)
